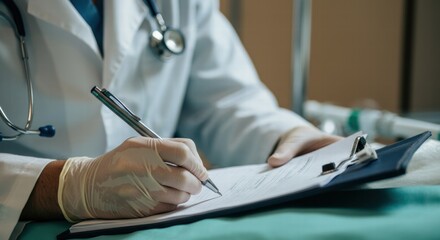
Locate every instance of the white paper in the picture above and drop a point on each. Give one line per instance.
(245, 185)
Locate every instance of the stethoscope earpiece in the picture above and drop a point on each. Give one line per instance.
(47, 131)
(17, 24)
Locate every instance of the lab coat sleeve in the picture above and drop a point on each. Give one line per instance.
(228, 111)
(18, 175)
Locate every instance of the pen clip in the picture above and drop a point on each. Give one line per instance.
(116, 101)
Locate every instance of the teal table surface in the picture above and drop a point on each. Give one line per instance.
(397, 213)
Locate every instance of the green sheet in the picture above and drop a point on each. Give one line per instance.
(398, 213)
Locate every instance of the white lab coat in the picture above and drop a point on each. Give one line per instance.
(211, 93)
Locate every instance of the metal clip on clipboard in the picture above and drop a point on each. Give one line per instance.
(361, 152)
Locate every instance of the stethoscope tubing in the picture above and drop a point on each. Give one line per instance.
(160, 47)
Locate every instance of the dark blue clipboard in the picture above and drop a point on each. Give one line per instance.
(392, 161)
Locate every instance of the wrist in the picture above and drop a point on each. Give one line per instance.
(42, 203)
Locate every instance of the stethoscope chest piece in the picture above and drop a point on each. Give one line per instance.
(164, 42)
(167, 43)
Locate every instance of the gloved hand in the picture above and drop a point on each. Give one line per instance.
(298, 141)
(132, 180)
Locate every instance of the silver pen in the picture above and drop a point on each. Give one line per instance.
(114, 104)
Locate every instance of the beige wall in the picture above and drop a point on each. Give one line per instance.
(356, 50)
(426, 69)
(268, 40)
(266, 34)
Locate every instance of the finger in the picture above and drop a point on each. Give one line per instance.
(161, 208)
(170, 196)
(134, 155)
(289, 149)
(283, 153)
(192, 146)
(179, 179)
(180, 154)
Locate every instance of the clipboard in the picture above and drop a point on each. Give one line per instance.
(392, 161)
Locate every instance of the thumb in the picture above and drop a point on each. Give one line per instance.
(283, 153)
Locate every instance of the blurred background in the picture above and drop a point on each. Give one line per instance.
(363, 53)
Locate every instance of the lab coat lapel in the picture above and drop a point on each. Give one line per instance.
(62, 14)
(122, 20)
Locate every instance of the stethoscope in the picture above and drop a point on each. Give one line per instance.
(164, 42)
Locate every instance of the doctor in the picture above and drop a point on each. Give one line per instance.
(210, 93)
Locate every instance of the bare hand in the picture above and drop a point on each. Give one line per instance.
(299, 141)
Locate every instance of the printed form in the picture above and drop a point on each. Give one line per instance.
(245, 185)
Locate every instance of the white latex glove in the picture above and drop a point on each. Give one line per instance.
(298, 141)
(132, 180)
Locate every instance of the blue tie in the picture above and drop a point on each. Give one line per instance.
(92, 14)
